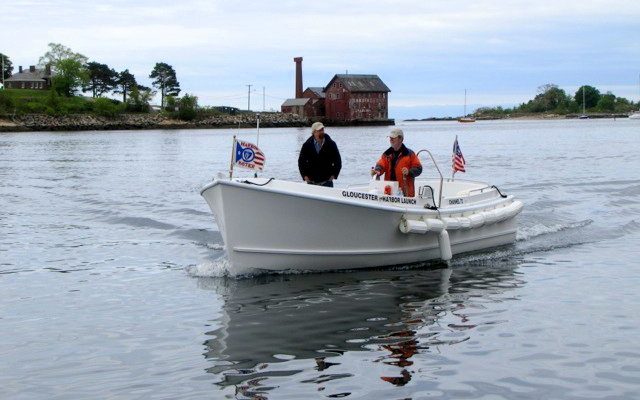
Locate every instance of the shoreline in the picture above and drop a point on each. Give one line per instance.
(87, 122)
(530, 117)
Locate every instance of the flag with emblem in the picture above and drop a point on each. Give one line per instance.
(248, 155)
(457, 159)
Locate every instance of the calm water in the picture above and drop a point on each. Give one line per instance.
(113, 277)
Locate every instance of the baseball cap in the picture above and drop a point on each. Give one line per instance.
(396, 133)
(316, 126)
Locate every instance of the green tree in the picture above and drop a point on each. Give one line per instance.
(70, 76)
(549, 98)
(187, 107)
(164, 79)
(623, 105)
(58, 53)
(170, 103)
(102, 79)
(591, 96)
(8, 66)
(607, 102)
(139, 99)
(126, 82)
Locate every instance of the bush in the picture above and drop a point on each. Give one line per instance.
(7, 104)
(107, 108)
(187, 107)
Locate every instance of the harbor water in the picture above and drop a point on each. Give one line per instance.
(114, 282)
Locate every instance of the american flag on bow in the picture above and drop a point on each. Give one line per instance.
(457, 159)
(248, 155)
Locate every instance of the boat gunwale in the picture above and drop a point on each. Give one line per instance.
(353, 202)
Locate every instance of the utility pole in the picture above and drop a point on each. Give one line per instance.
(263, 99)
(249, 98)
(2, 70)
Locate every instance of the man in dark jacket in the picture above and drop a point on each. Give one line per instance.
(319, 162)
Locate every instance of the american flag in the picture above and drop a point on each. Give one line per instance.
(248, 155)
(457, 159)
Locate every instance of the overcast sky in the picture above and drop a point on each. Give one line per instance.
(427, 52)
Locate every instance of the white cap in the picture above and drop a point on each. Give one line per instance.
(396, 133)
(316, 126)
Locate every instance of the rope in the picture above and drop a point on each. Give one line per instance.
(258, 184)
(501, 195)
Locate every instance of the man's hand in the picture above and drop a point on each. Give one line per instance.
(306, 179)
(405, 171)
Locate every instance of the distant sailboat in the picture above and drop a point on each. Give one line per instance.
(464, 117)
(636, 115)
(584, 114)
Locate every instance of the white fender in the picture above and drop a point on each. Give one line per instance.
(435, 225)
(490, 217)
(477, 220)
(445, 245)
(452, 223)
(465, 223)
(413, 226)
(514, 209)
(502, 214)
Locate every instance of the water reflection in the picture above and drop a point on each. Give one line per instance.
(301, 327)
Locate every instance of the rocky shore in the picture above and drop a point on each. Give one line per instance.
(540, 116)
(86, 122)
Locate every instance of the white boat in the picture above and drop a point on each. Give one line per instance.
(271, 224)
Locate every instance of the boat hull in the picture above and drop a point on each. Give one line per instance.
(267, 229)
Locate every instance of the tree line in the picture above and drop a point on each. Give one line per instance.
(551, 99)
(74, 73)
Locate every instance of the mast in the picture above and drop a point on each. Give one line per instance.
(583, 101)
(465, 103)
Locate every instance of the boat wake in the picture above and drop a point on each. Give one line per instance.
(218, 268)
(526, 233)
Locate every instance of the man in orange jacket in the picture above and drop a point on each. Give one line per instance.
(398, 163)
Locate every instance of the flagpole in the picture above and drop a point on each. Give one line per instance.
(233, 156)
(258, 128)
(453, 170)
(255, 174)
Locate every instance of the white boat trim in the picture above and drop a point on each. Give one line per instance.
(357, 202)
(362, 252)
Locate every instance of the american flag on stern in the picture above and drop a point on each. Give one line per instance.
(457, 159)
(248, 155)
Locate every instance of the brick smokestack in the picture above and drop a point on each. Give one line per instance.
(298, 61)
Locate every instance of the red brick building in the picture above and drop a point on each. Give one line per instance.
(301, 107)
(39, 79)
(346, 99)
(354, 98)
(316, 104)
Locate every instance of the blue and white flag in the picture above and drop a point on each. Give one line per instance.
(248, 155)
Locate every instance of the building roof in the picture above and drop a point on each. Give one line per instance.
(39, 75)
(295, 102)
(318, 91)
(361, 83)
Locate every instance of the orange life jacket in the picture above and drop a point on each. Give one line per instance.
(407, 159)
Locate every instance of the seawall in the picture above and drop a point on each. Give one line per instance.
(85, 122)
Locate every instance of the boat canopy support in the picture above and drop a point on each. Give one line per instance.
(439, 173)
